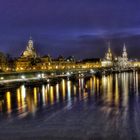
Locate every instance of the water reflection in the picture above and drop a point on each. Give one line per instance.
(116, 90)
(112, 90)
(8, 101)
(35, 96)
(57, 92)
(63, 85)
(21, 96)
(43, 94)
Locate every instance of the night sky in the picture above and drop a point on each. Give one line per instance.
(70, 27)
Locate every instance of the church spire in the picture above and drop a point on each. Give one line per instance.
(30, 44)
(109, 50)
(124, 47)
(109, 53)
(124, 54)
(30, 37)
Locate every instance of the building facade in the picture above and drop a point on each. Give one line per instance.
(108, 60)
(29, 61)
(122, 62)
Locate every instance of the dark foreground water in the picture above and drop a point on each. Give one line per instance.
(106, 108)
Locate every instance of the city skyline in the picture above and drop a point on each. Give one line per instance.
(108, 46)
(70, 69)
(66, 27)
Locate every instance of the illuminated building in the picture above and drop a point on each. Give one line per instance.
(3, 61)
(108, 55)
(135, 63)
(108, 60)
(30, 51)
(46, 62)
(122, 61)
(27, 59)
(30, 61)
(89, 63)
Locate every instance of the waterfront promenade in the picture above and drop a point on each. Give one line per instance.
(33, 76)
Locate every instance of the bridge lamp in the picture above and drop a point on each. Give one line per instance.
(68, 74)
(42, 75)
(2, 78)
(23, 77)
(52, 73)
(91, 71)
(39, 75)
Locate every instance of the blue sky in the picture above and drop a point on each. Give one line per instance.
(70, 27)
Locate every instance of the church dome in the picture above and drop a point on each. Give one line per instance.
(30, 51)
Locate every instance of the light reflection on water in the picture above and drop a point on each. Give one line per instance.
(112, 90)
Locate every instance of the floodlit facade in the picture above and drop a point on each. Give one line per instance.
(108, 60)
(26, 60)
(30, 51)
(122, 61)
(29, 60)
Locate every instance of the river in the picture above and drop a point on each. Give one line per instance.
(84, 109)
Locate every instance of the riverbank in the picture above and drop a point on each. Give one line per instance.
(14, 77)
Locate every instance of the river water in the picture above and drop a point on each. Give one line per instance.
(87, 108)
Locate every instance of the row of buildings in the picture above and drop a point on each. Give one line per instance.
(116, 62)
(120, 62)
(29, 61)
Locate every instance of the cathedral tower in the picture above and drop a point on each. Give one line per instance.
(124, 54)
(30, 51)
(109, 53)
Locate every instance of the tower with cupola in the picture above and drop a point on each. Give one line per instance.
(108, 55)
(124, 53)
(30, 51)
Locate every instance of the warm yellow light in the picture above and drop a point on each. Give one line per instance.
(51, 95)
(43, 94)
(2, 78)
(8, 99)
(23, 91)
(57, 91)
(63, 88)
(35, 95)
(18, 98)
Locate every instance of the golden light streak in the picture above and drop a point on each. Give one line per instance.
(51, 95)
(116, 90)
(57, 92)
(63, 89)
(8, 99)
(43, 94)
(35, 96)
(18, 98)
